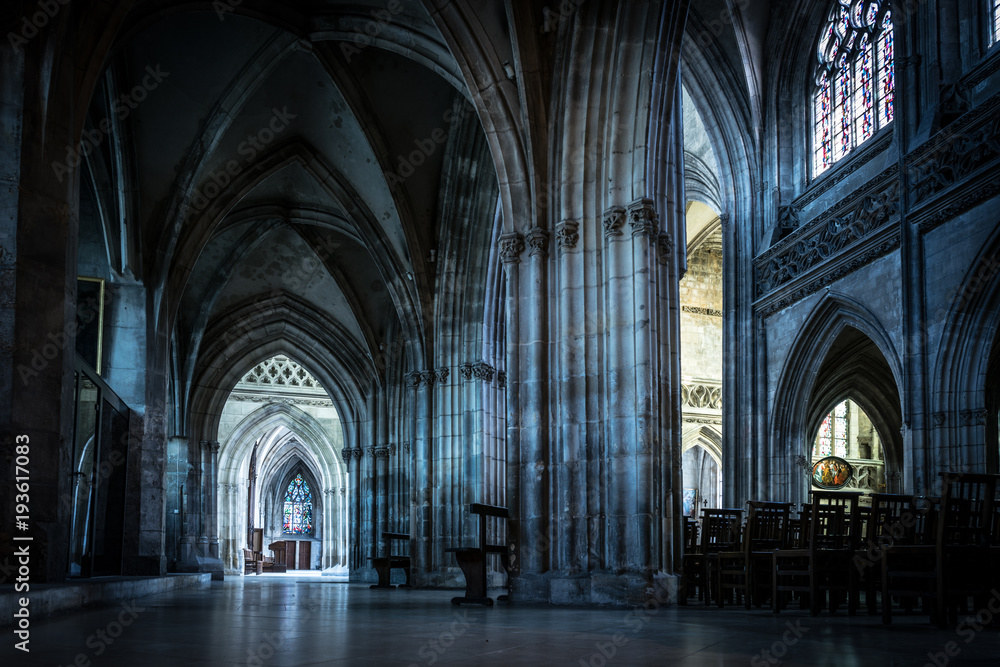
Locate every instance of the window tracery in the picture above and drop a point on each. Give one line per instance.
(298, 508)
(854, 85)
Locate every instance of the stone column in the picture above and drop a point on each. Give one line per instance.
(212, 496)
(534, 407)
(620, 398)
(381, 455)
(185, 551)
(643, 223)
(511, 247)
(570, 460)
(204, 479)
(352, 459)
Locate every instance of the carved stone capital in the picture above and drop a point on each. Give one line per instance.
(412, 379)
(642, 218)
(466, 370)
(427, 378)
(483, 371)
(613, 221)
(442, 374)
(381, 452)
(371, 451)
(538, 242)
(392, 449)
(406, 447)
(511, 247)
(665, 247)
(567, 234)
(502, 378)
(939, 418)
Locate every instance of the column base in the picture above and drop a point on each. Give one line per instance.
(600, 587)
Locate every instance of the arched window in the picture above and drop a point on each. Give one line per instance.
(298, 507)
(832, 437)
(853, 94)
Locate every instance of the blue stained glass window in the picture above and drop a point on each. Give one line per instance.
(832, 437)
(995, 33)
(854, 82)
(298, 519)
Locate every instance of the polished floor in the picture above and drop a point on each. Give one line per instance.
(285, 621)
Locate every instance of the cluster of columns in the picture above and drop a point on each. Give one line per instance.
(591, 459)
(199, 545)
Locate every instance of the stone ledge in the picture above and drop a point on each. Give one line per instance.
(48, 599)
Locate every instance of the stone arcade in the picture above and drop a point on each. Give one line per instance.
(329, 270)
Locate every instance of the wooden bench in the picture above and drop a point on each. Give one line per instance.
(472, 560)
(385, 564)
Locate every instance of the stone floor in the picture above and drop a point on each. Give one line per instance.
(279, 621)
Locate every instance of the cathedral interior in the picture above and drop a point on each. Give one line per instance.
(658, 324)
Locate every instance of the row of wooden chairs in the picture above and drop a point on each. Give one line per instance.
(942, 551)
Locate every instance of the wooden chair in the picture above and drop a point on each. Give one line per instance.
(893, 520)
(472, 560)
(252, 562)
(826, 563)
(957, 566)
(745, 571)
(720, 531)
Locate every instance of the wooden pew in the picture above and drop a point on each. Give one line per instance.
(472, 560)
(384, 565)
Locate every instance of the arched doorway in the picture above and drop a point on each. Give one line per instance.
(848, 452)
(279, 425)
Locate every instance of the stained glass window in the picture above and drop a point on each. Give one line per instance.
(832, 437)
(995, 32)
(854, 81)
(298, 507)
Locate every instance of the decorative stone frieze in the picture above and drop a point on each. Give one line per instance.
(441, 374)
(701, 395)
(844, 226)
(381, 452)
(511, 247)
(538, 242)
(466, 371)
(567, 234)
(613, 221)
(695, 310)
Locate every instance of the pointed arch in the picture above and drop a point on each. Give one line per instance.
(959, 405)
(842, 351)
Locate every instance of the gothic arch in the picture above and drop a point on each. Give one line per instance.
(280, 429)
(959, 410)
(842, 351)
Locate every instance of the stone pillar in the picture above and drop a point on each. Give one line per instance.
(188, 518)
(570, 546)
(420, 479)
(620, 398)
(204, 479)
(534, 409)
(381, 455)
(212, 494)
(443, 474)
(647, 443)
(511, 247)
(352, 459)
